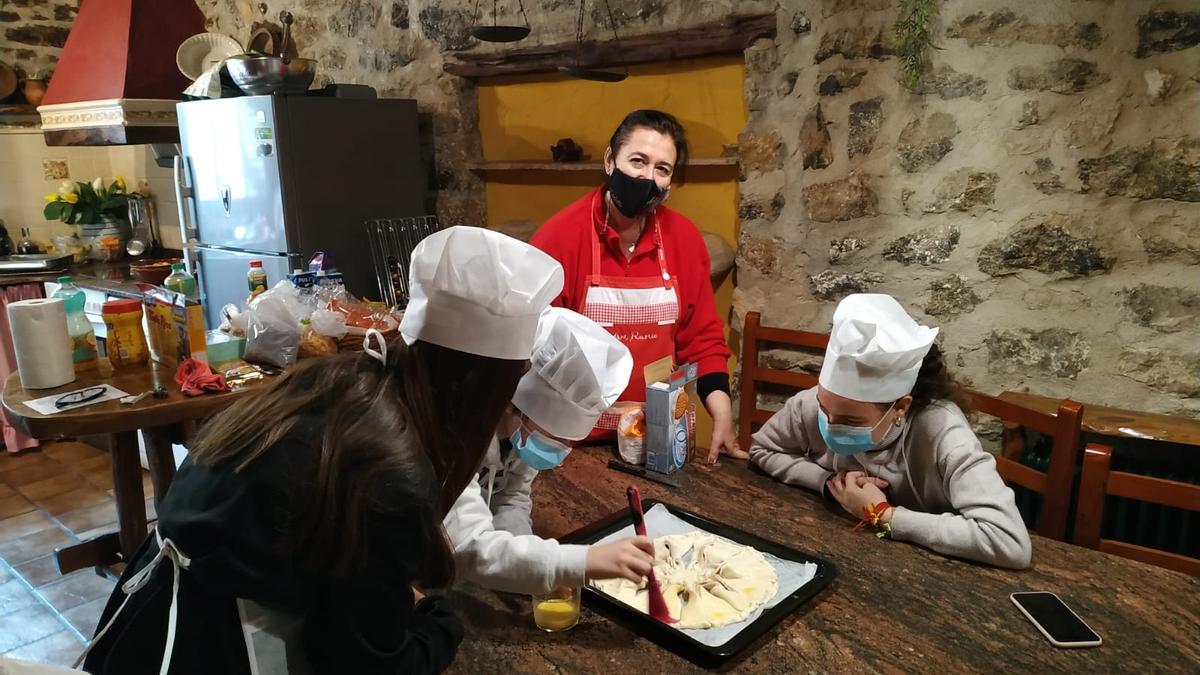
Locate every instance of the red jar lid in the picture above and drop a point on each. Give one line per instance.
(121, 306)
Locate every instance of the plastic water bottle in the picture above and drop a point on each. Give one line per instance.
(83, 338)
(181, 282)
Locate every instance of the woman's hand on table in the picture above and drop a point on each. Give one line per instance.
(724, 438)
(855, 490)
(629, 559)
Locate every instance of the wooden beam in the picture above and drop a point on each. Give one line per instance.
(729, 36)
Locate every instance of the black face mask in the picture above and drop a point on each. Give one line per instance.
(634, 196)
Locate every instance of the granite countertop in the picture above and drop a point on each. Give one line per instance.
(894, 607)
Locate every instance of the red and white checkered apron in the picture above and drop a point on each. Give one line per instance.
(641, 312)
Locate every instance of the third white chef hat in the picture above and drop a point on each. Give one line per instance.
(875, 349)
(576, 372)
(478, 291)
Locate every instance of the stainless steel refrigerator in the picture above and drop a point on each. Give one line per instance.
(276, 178)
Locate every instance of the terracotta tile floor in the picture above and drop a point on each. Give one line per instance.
(58, 495)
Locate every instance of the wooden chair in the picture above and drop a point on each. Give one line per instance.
(753, 333)
(1055, 485)
(1098, 481)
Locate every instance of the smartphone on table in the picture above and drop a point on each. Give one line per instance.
(1061, 626)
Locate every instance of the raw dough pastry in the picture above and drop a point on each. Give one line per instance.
(707, 581)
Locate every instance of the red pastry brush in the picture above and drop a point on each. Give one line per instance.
(658, 605)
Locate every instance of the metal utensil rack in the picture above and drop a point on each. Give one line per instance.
(392, 242)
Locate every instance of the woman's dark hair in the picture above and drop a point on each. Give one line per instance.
(663, 123)
(934, 382)
(413, 431)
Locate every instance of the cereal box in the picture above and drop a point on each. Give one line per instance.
(176, 326)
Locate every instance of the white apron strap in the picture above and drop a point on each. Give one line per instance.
(166, 549)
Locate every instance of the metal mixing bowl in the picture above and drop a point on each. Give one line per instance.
(257, 75)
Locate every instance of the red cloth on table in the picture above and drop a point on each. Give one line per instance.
(195, 378)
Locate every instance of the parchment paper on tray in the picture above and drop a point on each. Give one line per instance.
(792, 575)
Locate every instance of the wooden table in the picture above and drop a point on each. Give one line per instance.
(153, 417)
(1118, 423)
(894, 607)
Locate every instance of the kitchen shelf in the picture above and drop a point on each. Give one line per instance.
(539, 165)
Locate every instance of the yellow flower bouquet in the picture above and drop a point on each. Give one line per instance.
(77, 203)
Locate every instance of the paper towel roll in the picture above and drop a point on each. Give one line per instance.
(41, 342)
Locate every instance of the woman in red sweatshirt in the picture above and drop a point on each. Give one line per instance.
(641, 270)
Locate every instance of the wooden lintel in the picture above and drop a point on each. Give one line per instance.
(728, 36)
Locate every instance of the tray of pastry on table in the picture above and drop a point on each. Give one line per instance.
(725, 587)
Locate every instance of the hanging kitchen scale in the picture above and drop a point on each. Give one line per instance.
(496, 32)
(585, 72)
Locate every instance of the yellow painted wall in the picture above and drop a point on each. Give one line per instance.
(520, 117)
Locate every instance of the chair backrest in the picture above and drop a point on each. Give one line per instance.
(1056, 484)
(1098, 481)
(753, 333)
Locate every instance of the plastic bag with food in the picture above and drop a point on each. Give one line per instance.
(360, 317)
(328, 323)
(313, 344)
(631, 434)
(285, 293)
(272, 333)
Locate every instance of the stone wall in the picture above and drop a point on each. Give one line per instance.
(34, 32)
(1037, 197)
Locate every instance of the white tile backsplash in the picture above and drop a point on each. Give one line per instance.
(22, 183)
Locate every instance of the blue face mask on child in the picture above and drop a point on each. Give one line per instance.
(843, 439)
(537, 451)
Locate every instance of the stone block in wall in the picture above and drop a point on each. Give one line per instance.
(1166, 309)
(38, 35)
(816, 148)
(837, 81)
(1161, 32)
(759, 152)
(1030, 115)
(9, 17)
(1158, 84)
(1093, 124)
(863, 126)
(1160, 169)
(929, 246)
(842, 249)
(758, 253)
(1064, 76)
(964, 190)
(788, 83)
(399, 15)
(950, 295)
(840, 200)
(925, 141)
(629, 12)
(1057, 352)
(355, 17)
(1172, 238)
(1044, 177)
(795, 360)
(1005, 28)
(801, 24)
(758, 207)
(833, 286)
(446, 27)
(1167, 371)
(1044, 243)
(863, 42)
(948, 83)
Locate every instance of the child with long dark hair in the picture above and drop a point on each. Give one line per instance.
(297, 533)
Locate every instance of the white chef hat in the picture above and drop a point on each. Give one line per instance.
(577, 371)
(875, 349)
(478, 291)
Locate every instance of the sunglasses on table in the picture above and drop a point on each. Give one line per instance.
(77, 397)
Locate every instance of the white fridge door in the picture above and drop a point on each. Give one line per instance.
(222, 278)
(230, 156)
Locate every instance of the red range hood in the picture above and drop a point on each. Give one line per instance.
(116, 81)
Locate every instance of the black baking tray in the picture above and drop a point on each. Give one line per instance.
(677, 640)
